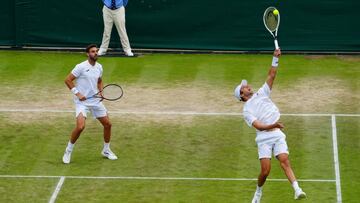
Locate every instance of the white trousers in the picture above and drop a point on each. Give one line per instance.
(118, 17)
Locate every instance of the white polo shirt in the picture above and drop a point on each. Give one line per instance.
(86, 81)
(260, 107)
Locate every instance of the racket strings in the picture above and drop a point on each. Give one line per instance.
(271, 21)
(112, 92)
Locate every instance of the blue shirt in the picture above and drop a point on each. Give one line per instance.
(118, 3)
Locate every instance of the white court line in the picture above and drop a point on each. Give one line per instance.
(174, 112)
(57, 189)
(336, 159)
(161, 178)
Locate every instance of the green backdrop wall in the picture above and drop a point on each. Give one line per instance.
(307, 25)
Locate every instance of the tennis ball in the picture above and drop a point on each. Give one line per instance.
(276, 12)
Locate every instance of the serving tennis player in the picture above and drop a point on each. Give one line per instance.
(261, 113)
(88, 82)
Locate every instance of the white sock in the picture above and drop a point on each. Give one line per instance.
(106, 146)
(295, 185)
(259, 189)
(70, 146)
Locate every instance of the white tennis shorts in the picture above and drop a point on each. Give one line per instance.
(98, 110)
(276, 147)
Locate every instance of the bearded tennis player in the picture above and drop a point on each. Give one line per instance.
(88, 78)
(262, 114)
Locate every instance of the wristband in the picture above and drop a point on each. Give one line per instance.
(74, 90)
(275, 62)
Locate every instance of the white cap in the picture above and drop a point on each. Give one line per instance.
(238, 88)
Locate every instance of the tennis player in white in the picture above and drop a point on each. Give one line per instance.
(261, 113)
(88, 82)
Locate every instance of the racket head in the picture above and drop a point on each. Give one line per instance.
(112, 92)
(271, 21)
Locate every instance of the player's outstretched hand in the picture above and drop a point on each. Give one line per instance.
(279, 125)
(277, 53)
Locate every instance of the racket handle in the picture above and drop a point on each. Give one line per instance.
(276, 44)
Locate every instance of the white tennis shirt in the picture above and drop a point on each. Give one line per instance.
(260, 107)
(87, 77)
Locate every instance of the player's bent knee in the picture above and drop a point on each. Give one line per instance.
(285, 163)
(282, 157)
(108, 125)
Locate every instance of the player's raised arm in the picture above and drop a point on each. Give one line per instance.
(273, 69)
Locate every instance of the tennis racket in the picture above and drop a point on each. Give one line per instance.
(272, 22)
(110, 92)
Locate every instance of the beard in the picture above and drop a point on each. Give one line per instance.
(94, 58)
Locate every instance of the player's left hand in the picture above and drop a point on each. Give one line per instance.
(102, 96)
(279, 125)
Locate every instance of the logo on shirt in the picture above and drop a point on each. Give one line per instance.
(87, 70)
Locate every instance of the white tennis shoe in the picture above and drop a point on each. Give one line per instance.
(257, 197)
(109, 154)
(299, 194)
(67, 157)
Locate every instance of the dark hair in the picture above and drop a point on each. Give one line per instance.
(89, 47)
